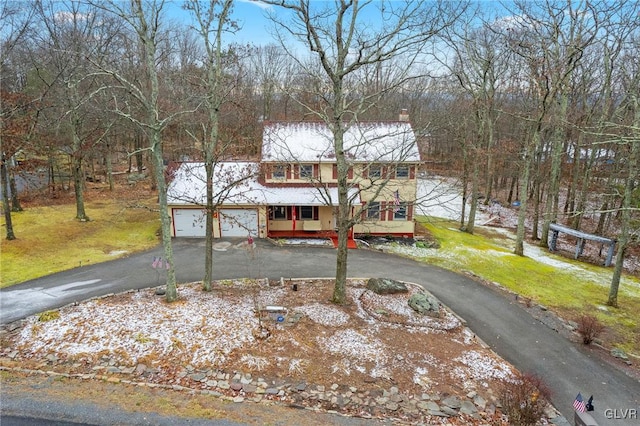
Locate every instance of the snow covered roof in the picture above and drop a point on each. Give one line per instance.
(363, 142)
(237, 183)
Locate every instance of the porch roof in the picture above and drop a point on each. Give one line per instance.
(236, 183)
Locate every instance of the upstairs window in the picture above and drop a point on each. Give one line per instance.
(402, 172)
(306, 171)
(375, 171)
(279, 172)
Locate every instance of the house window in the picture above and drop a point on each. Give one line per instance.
(375, 171)
(307, 212)
(278, 213)
(306, 171)
(279, 172)
(400, 212)
(373, 210)
(402, 172)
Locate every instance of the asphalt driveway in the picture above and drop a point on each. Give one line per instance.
(502, 323)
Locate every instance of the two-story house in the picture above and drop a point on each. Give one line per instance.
(292, 191)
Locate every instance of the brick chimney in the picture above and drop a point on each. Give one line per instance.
(404, 115)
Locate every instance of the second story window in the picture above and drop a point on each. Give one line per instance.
(375, 171)
(279, 172)
(402, 172)
(306, 171)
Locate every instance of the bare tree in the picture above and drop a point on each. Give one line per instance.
(344, 48)
(145, 19)
(212, 19)
(16, 21)
(479, 65)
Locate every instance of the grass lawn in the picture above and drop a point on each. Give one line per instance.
(568, 286)
(50, 239)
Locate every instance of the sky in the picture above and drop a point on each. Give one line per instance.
(250, 15)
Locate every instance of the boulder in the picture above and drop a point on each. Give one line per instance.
(386, 286)
(425, 304)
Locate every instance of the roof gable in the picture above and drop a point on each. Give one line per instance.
(363, 142)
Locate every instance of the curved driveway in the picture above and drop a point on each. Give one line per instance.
(506, 327)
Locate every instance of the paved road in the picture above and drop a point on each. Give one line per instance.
(526, 343)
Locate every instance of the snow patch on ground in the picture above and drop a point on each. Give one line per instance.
(324, 315)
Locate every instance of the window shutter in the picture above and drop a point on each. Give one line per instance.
(315, 171)
(335, 171)
(412, 172)
(383, 210)
(350, 173)
(296, 171)
(365, 172)
(409, 212)
(391, 212)
(315, 212)
(383, 172)
(363, 213)
(288, 172)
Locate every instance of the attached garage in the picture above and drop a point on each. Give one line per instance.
(238, 222)
(189, 222)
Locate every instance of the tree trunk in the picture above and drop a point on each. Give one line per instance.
(15, 201)
(78, 186)
(165, 219)
(551, 205)
(107, 161)
(208, 250)
(339, 290)
(5, 199)
(625, 224)
(524, 183)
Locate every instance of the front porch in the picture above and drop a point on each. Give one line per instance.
(331, 235)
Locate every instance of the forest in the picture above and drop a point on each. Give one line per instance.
(528, 102)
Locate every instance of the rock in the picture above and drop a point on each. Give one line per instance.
(236, 386)
(425, 304)
(467, 407)
(452, 401)
(449, 411)
(386, 286)
(238, 399)
(391, 406)
(250, 388)
(438, 413)
(13, 326)
(480, 402)
(300, 387)
(198, 377)
(619, 353)
(161, 291)
(428, 405)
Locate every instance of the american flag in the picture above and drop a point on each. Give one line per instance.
(396, 201)
(579, 404)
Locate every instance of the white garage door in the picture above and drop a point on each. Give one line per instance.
(189, 222)
(238, 222)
